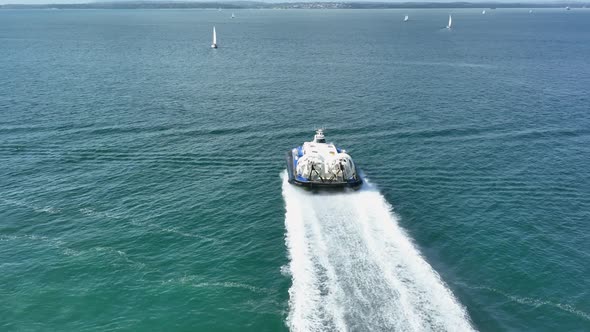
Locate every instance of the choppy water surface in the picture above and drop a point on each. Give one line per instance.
(141, 186)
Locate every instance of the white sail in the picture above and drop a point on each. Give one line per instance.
(483, 12)
(450, 22)
(214, 37)
(406, 18)
(233, 16)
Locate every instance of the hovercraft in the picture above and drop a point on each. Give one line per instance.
(318, 164)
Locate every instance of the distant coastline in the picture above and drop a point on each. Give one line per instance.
(290, 5)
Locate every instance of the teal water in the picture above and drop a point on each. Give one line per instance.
(141, 189)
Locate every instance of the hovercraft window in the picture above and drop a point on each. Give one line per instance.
(321, 140)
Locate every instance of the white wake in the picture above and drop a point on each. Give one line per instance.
(355, 269)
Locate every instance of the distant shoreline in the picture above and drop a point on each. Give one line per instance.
(291, 5)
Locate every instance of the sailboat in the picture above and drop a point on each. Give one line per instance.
(530, 11)
(233, 16)
(214, 44)
(450, 22)
(483, 12)
(406, 18)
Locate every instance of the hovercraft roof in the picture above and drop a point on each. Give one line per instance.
(319, 145)
(323, 149)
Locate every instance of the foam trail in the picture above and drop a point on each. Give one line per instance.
(355, 269)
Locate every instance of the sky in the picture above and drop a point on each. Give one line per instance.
(2, 2)
(36, 2)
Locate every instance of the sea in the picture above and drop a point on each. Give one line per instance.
(142, 173)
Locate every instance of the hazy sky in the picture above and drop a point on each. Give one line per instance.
(84, 1)
(22, 2)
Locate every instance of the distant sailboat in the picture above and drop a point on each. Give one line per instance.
(450, 22)
(233, 16)
(530, 11)
(483, 12)
(214, 44)
(406, 18)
